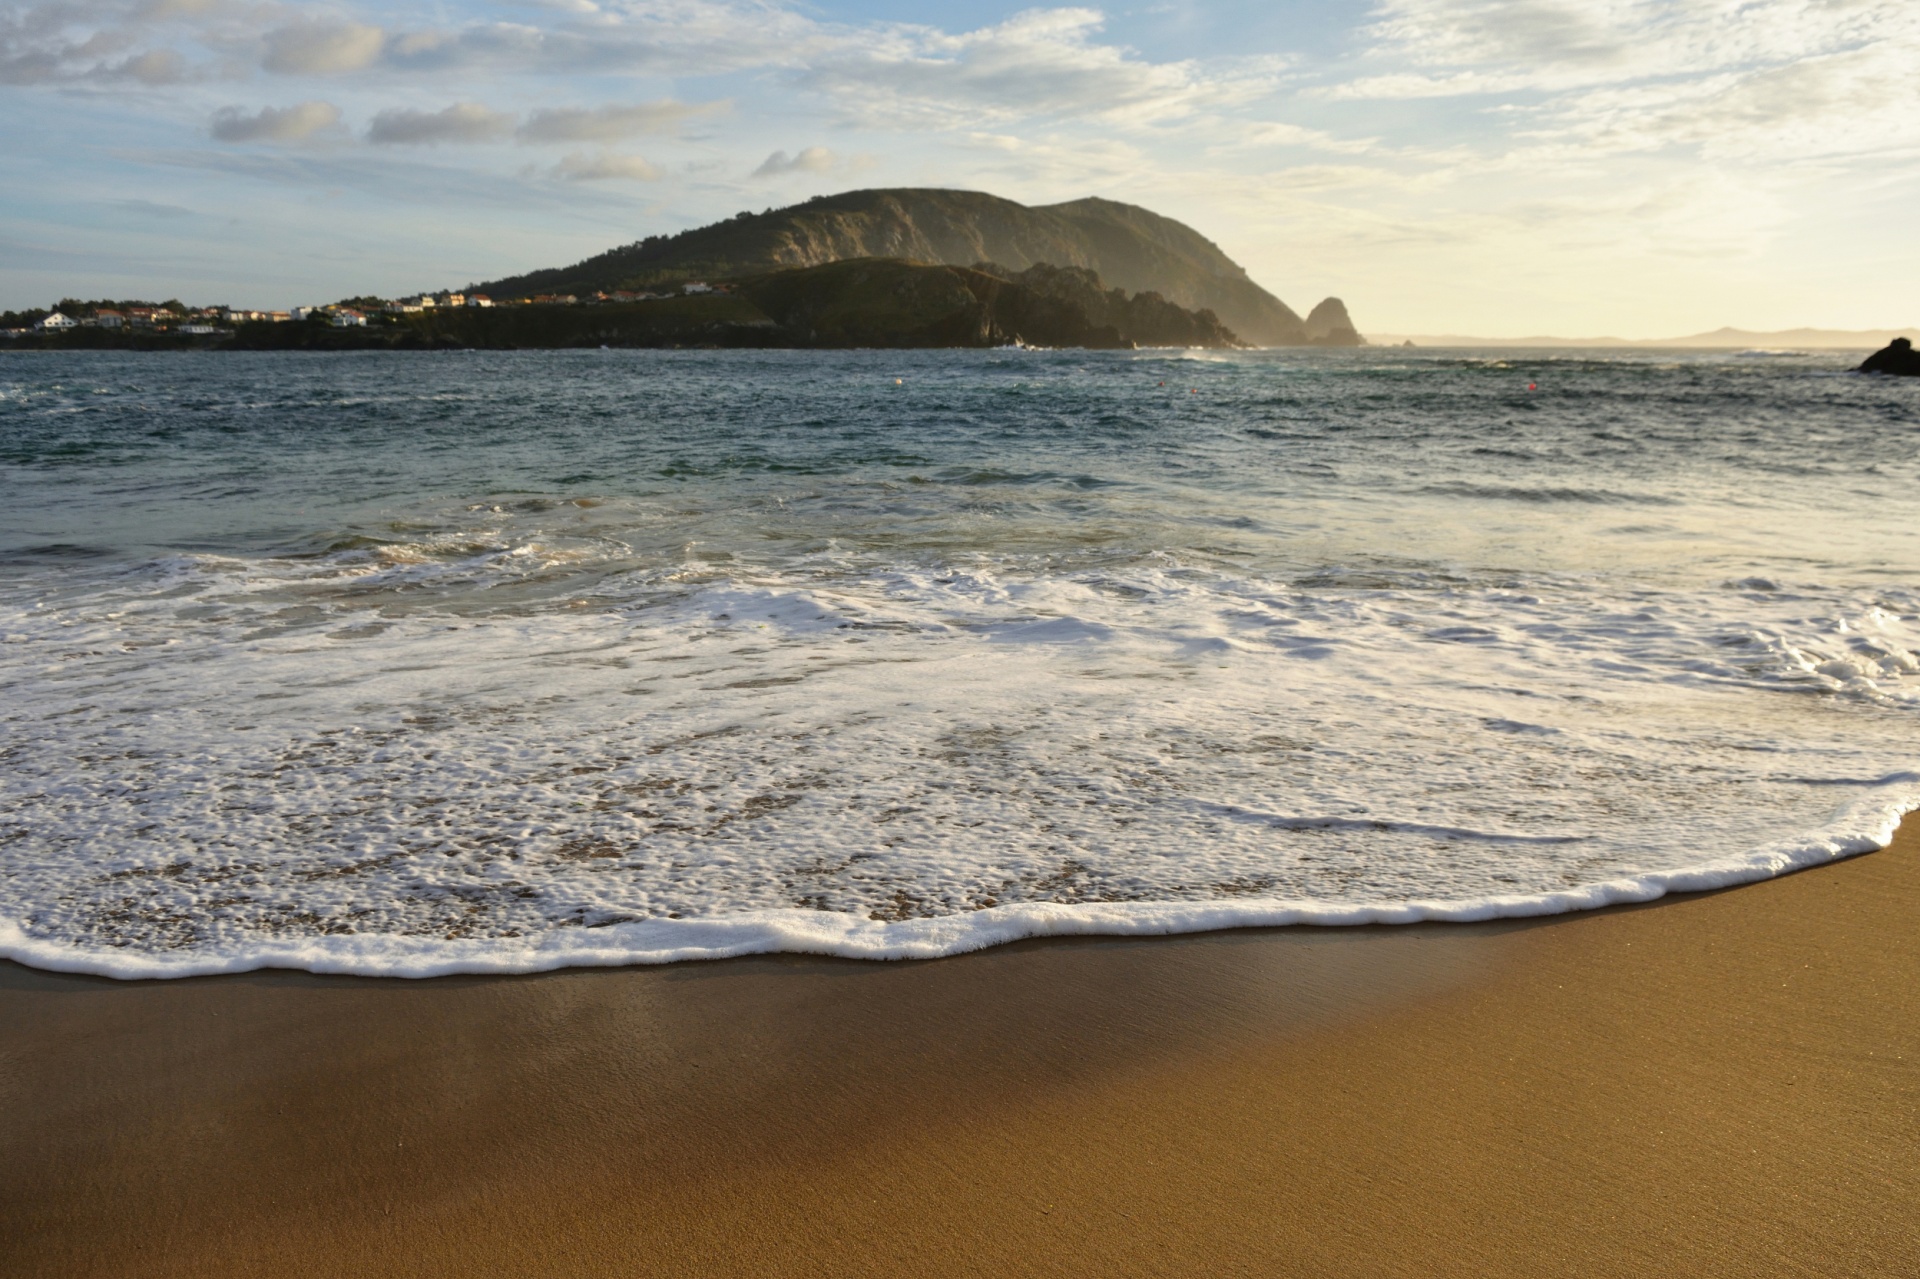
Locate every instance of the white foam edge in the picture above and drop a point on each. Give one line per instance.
(806, 932)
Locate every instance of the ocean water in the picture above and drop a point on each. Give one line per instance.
(426, 663)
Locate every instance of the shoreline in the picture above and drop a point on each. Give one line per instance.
(1724, 1083)
(1863, 829)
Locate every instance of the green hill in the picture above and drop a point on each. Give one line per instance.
(1128, 247)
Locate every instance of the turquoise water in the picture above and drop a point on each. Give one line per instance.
(496, 661)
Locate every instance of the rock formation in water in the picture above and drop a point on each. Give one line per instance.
(1129, 248)
(1897, 358)
(1328, 325)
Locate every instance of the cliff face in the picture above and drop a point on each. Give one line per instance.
(1129, 247)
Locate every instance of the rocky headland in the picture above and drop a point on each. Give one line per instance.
(878, 268)
(1128, 248)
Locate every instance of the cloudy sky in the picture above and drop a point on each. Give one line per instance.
(1481, 166)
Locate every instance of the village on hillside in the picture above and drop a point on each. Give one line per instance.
(207, 321)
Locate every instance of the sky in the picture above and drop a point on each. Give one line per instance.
(1492, 167)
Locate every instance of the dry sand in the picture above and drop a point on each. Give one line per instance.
(1724, 1084)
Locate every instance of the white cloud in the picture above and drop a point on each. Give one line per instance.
(153, 68)
(322, 48)
(463, 122)
(811, 160)
(1045, 62)
(1237, 137)
(580, 167)
(86, 40)
(1823, 106)
(1449, 48)
(681, 38)
(1472, 46)
(296, 123)
(1578, 81)
(1065, 161)
(612, 122)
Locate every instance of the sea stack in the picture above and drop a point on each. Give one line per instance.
(1897, 358)
(1328, 325)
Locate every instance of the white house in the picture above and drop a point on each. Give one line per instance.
(479, 299)
(55, 323)
(346, 319)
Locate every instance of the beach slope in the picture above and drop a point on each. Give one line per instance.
(1723, 1084)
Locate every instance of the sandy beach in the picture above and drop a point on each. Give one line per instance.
(1723, 1084)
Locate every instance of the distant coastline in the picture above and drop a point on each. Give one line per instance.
(1728, 339)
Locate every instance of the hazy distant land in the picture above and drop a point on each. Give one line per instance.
(1719, 339)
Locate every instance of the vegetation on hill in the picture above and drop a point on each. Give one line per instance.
(1147, 319)
(1128, 247)
(861, 302)
(890, 302)
(710, 319)
(864, 302)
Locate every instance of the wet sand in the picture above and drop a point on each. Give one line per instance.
(1723, 1084)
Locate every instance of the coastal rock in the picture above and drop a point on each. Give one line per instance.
(1328, 325)
(1897, 358)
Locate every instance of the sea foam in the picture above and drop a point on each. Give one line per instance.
(405, 665)
(890, 762)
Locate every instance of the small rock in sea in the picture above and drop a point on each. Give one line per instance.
(1898, 358)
